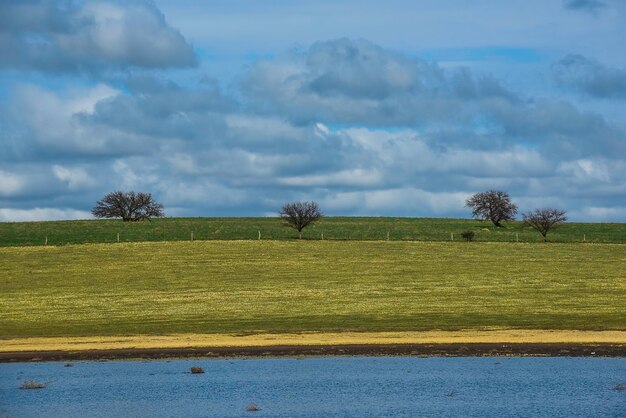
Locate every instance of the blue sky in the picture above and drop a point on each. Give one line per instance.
(231, 107)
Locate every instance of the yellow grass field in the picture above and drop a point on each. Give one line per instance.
(309, 292)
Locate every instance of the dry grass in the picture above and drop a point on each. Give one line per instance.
(32, 384)
(313, 338)
(252, 407)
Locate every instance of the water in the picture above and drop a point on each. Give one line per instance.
(320, 387)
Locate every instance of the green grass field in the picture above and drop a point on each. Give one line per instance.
(332, 228)
(292, 286)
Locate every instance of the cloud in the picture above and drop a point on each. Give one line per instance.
(10, 184)
(558, 128)
(590, 77)
(54, 124)
(355, 81)
(405, 201)
(64, 36)
(41, 214)
(355, 177)
(75, 177)
(165, 110)
(359, 128)
(601, 213)
(590, 6)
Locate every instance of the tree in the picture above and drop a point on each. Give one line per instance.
(129, 206)
(543, 220)
(299, 215)
(493, 205)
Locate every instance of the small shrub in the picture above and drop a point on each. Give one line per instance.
(468, 235)
(32, 384)
(197, 370)
(252, 407)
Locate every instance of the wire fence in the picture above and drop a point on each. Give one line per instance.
(63, 236)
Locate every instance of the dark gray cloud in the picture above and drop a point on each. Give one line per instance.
(591, 6)
(558, 128)
(355, 81)
(164, 109)
(590, 77)
(69, 36)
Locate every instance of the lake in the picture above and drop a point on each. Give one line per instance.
(320, 387)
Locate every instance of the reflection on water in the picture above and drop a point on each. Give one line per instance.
(319, 387)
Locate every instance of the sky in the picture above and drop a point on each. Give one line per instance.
(233, 108)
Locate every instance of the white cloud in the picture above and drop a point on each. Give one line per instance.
(501, 164)
(586, 171)
(76, 178)
(406, 201)
(41, 214)
(131, 174)
(600, 214)
(10, 184)
(58, 121)
(355, 177)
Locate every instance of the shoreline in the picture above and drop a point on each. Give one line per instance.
(414, 350)
(468, 343)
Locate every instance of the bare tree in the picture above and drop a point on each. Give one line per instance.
(543, 220)
(299, 215)
(493, 205)
(129, 206)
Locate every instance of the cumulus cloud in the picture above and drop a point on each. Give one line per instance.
(75, 177)
(67, 36)
(405, 201)
(165, 110)
(358, 83)
(361, 129)
(10, 183)
(355, 82)
(590, 77)
(41, 214)
(601, 213)
(60, 123)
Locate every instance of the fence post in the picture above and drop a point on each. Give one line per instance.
(584, 237)
(322, 236)
(46, 243)
(118, 237)
(192, 235)
(259, 234)
(517, 237)
(451, 236)
(387, 235)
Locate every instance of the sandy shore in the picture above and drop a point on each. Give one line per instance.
(499, 342)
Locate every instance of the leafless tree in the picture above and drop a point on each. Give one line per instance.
(129, 206)
(299, 215)
(493, 205)
(543, 220)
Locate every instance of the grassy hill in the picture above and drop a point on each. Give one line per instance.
(290, 286)
(332, 228)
